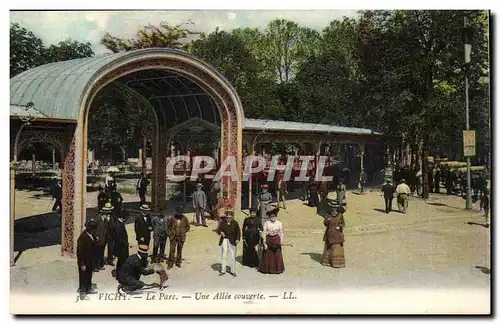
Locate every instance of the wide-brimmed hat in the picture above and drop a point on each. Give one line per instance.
(107, 208)
(143, 248)
(264, 186)
(198, 185)
(145, 207)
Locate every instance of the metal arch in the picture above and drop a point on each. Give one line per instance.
(196, 134)
(126, 89)
(143, 85)
(179, 78)
(183, 101)
(177, 129)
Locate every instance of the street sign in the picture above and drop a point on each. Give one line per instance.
(469, 143)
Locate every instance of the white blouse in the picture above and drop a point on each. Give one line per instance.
(274, 228)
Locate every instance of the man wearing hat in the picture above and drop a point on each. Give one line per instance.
(121, 243)
(200, 204)
(101, 234)
(264, 199)
(57, 195)
(143, 226)
(178, 226)
(388, 190)
(142, 187)
(134, 267)
(102, 198)
(222, 205)
(230, 234)
(86, 258)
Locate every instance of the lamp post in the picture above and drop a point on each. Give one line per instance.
(468, 47)
(26, 121)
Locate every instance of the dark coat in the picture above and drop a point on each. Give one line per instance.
(116, 200)
(133, 268)
(160, 227)
(232, 232)
(85, 250)
(332, 235)
(102, 199)
(142, 184)
(101, 233)
(143, 228)
(57, 192)
(251, 228)
(121, 239)
(388, 190)
(172, 226)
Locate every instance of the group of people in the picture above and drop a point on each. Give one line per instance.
(402, 191)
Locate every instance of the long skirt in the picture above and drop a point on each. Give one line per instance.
(250, 256)
(272, 261)
(334, 256)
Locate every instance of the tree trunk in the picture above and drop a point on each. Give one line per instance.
(144, 158)
(425, 170)
(124, 154)
(33, 163)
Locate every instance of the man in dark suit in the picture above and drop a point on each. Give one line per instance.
(143, 226)
(86, 258)
(102, 198)
(57, 195)
(121, 244)
(134, 267)
(178, 226)
(142, 187)
(230, 234)
(101, 234)
(388, 190)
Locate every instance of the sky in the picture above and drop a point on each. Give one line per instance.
(89, 26)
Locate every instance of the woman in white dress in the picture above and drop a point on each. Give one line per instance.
(272, 257)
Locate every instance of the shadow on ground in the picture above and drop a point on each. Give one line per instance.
(37, 231)
(484, 270)
(317, 257)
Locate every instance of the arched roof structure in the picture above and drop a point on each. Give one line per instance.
(57, 89)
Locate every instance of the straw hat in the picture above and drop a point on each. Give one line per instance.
(143, 248)
(107, 208)
(145, 207)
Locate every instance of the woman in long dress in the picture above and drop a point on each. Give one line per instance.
(272, 257)
(251, 237)
(333, 253)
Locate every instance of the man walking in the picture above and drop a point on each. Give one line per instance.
(200, 204)
(86, 258)
(178, 226)
(142, 187)
(57, 195)
(388, 190)
(230, 234)
(160, 232)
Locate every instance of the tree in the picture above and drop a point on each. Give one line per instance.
(67, 50)
(164, 35)
(287, 46)
(26, 50)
